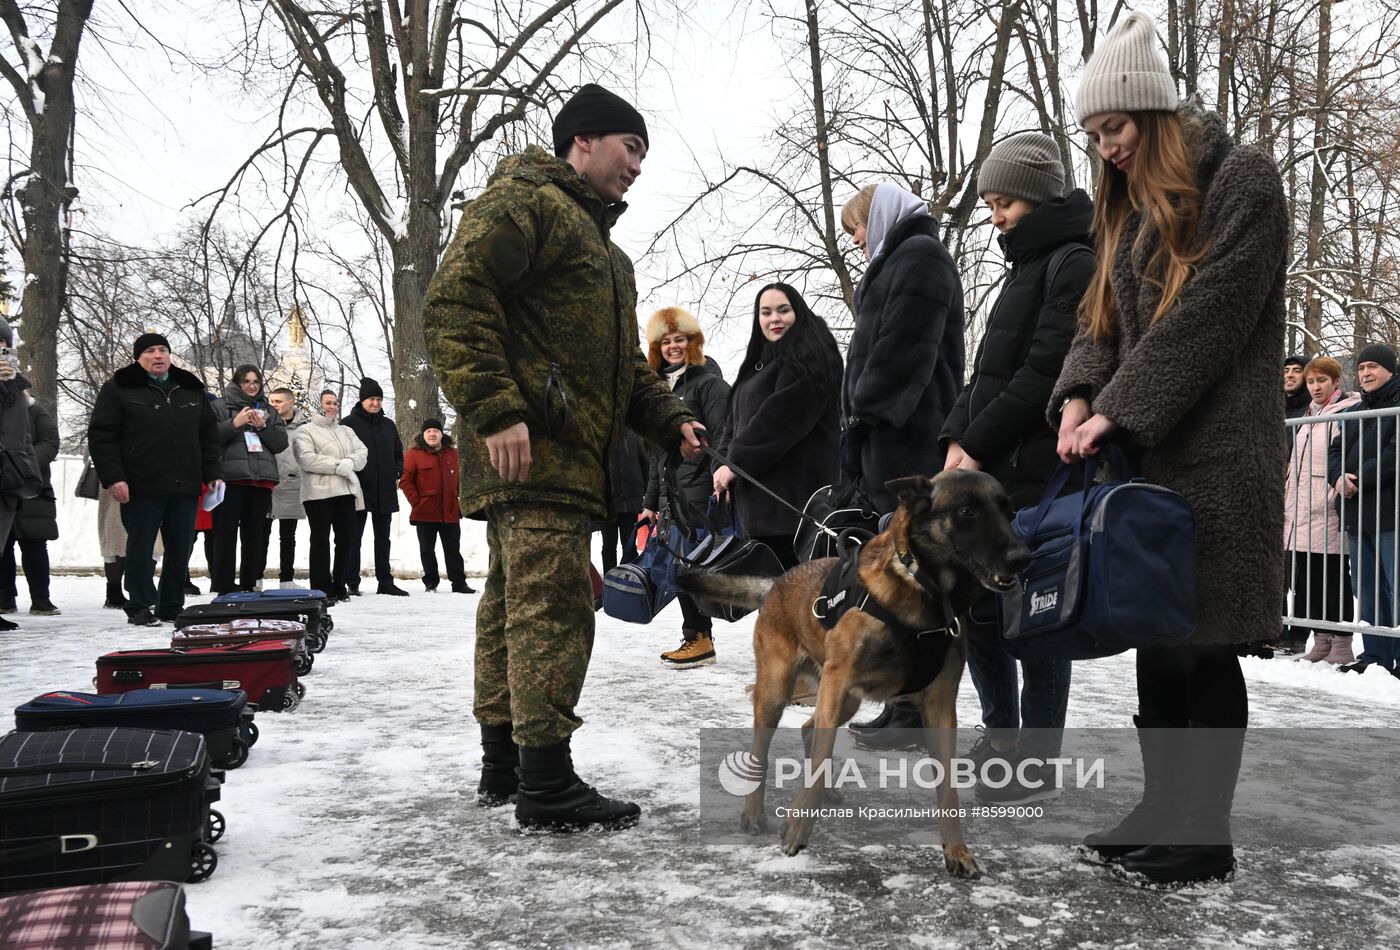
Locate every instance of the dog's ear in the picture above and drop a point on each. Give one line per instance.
(912, 490)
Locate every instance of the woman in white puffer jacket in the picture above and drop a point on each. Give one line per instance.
(329, 455)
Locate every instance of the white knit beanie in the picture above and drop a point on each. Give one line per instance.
(1128, 72)
(1023, 166)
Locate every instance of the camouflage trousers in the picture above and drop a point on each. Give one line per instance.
(534, 623)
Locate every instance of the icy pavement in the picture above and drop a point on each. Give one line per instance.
(353, 824)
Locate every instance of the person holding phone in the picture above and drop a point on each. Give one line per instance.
(252, 436)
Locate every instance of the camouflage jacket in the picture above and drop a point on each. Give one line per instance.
(531, 317)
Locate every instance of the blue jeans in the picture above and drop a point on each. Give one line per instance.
(1042, 699)
(1373, 573)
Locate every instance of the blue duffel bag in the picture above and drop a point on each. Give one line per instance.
(638, 591)
(1113, 568)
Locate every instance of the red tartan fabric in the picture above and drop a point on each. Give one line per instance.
(95, 915)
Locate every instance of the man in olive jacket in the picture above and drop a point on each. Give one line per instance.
(531, 326)
(154, 440)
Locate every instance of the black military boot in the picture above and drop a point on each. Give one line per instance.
(900, 726)
(114, 571)
(1161, 750)
(1197, 848)
(499, 757)
(552, 798)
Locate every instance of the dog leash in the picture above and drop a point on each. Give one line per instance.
(705, 447)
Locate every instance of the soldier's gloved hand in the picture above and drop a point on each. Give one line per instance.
(345, 468)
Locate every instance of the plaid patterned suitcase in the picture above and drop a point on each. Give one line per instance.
(137, 915)
(313, 611)
(248, 630)
(91, 806)
(262, 669)
(221, 716)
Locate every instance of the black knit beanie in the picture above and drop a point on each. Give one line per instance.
(431, 424)
(1377, 353)
(369, 389)
(145, 341)
(595, 111)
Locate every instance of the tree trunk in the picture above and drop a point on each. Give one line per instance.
(45, 197)
(1317, 205)
(823, 142)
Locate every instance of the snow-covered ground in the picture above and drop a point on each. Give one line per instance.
(353, 824)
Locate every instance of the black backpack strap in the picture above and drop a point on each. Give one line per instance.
(1057, 260)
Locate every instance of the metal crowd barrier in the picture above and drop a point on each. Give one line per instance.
(1330, 587)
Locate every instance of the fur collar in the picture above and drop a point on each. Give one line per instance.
(134, 377)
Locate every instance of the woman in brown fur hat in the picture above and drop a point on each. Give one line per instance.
(676, 350)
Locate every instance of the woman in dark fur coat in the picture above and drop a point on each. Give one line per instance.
(1193, 235)
(784, 423)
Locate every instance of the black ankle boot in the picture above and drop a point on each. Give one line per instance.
(902, 727)
(114, 571)
(1197, 848)
(552, 798)
(499, 758)
(1161, 749)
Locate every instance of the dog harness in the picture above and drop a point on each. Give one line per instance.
(924, 650)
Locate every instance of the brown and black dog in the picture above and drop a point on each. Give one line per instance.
(950, 536)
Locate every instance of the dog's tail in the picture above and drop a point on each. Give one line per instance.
(747, 592)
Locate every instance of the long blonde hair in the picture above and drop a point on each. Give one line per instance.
(1162, 186)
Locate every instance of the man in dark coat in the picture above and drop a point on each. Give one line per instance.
(154, 440)
(36, 523)
(379, 480)
(1361, 468)
(904, 366)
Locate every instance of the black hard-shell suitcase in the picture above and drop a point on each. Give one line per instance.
(221, 716)
(89, 806)
(310, 611)
(131, 915)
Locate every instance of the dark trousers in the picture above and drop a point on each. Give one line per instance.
(1321, 589)
(451, 534)
(324, 515)
(616, 536)
(382, 521)
(1043, 699)
(243, 511)
(691, 616)
(172, 518)
(34, 554)
(1192, 686)
(287, 543)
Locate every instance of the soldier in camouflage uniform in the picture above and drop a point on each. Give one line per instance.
(531, 326)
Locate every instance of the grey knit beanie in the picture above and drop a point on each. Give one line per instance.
(1024, 166)
(1128, 72)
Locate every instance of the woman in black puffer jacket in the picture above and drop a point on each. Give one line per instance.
(998, 423)
(676, 350)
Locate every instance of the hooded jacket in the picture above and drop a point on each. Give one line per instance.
(705, 393)
(318, 448)
(429, 482)
(1216, 440)
(286, 497)
(904, 365)
(379, 478)
(159, 440)
(999, 418)
(241, 464)
(531, 317)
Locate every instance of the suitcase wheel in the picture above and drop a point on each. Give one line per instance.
(237, 757)
(327, 623)
(315, 642)
(301, 691)
(203, 861)
(302, 663)
(290, 700)
(214, 826)
(249, 731)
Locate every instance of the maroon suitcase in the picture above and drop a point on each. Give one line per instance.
(262, 669)
(248, 630)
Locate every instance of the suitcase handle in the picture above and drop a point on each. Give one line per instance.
(64, 844)
(128, 676)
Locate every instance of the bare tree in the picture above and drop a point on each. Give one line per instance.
(43, 85)
(410, 93)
